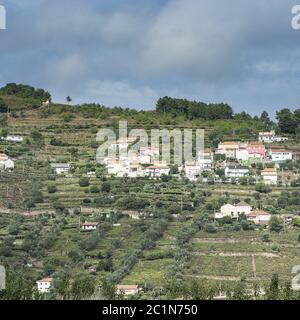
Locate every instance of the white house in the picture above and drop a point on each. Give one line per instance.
(259, 217)
(127, 289)
(242, 154)
(157, 171)
(270, 176)
(61, 168)
(117, 168)
(236, 171)
(243, 208)
(133, 214)
(135, 170)
(123, 143)
(13, 138)
(228, 148)
(233, 211)
(89, 225)
(192, 170)
(228, 210)
(267, 137)
(281, 139)
(206, 160)
(6, 163)
(44, 285)
(280, 155)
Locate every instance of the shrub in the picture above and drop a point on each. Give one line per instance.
(84, 182)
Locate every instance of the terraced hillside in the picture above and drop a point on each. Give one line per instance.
(176, 240)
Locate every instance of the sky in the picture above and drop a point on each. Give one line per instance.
(129, 53)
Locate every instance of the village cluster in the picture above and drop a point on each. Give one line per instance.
(238, 156)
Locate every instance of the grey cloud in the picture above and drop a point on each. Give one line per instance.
(237, 51)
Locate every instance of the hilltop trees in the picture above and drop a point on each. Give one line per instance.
(25, 91)
(288, 121)
(194, 110)
(266, 120)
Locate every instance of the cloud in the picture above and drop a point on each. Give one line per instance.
(116, 93)
(67, 69)
(129, 52)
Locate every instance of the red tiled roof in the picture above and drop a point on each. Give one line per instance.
(258, 213)
(127, 287)
(90, 223)
(46, 280)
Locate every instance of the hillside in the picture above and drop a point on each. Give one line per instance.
(175, 245)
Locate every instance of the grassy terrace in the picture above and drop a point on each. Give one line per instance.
(224, 256)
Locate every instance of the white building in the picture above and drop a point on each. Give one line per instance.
(13, 138)
(192, 170)
(89, 225)
(127, 289)
(243, 208)
(280, 155)
(280, 139)
(270, 176)
(242, 155)
(206, 160)
(135, 171)
(236, 171)
(270, 137)
(259, 217)
(267, 137)
(44, 285)
(233, 211)
(228, 148)
(61, 168)
(117, 168)
(157, 171)
(6, 163)
(123, 143)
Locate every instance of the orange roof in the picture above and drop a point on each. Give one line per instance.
(229, 142)
(3, 157)
(127, 287)
(90, 223)
(46, 280)
(256, 143)
(269, 171)
(258, 213)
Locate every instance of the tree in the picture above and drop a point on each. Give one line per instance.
(275, 224)
(3, 106)
(69, 99)
(193, 109)
(265, 119)
(82, 287)
(52, 188)
(287, 122)
(108, 289)
(17, 286)
(262, 188)
(105, 187)
(62, 285)
(274, 289)
(84, 182)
